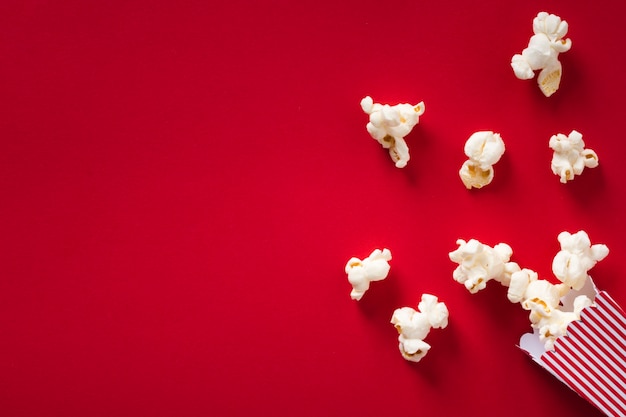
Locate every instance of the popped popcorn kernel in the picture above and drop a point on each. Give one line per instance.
(473, 176)
(479, 263)
(413, 326)
(361, 272)
(576, 257)
(542, 297)
(484, 149)
(542, 53)
(390, 124)
(570, 156)
(553, 326)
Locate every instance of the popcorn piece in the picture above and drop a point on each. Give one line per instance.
(576, 258)
(479, 263)
(543, 52)
(390, 124)
(570, 156)
(542, 298)
(361, 272)
(554, 325)
(435, 312)
(519, 283)
(484, 149)
(413, 326)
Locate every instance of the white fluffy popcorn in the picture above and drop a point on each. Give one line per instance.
(484, 149)
(479, 263)
(542, 53)
(576, 257)
(553, 326)
(538, 296)
(361, 272)
(570, 156)
(390, 124)
(413, 326)
(544, 300)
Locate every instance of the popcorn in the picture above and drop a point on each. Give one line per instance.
(570, 156)
(479, 263)
(543, 52)
(390, 124)
(361, 272)
(484, 149)
(554, 325)
(576, 258)
(543, 300)
(413, 326)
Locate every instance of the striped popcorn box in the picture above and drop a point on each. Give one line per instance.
(591, 358)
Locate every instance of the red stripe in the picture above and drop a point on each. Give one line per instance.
(606, 352)
(570, 353)
(605, 298)
(565, 372)
(599, 353)
(591, 321)
(600, 315)
(601, 345)
(610, 307)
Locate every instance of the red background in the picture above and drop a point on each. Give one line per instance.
(183, 182)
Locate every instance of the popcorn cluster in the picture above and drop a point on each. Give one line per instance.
(542, 53)
(478, 263)
(390, 124)
(361, 272)
(413, 326)
(483, 149)
(570, 156)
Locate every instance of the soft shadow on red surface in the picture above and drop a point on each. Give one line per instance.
(182, 185)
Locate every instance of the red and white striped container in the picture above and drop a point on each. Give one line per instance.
(591, 358)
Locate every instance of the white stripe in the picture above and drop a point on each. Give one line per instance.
(589, 327)
(600, 354)
(582, 389)
(618, 401)
(599, 317)
(609, 304)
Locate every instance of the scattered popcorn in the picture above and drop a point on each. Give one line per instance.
(479, 263)
(576, 258)
(543, 52)
(390, 124)
(361, 272)
(413, 326)
(570, 156)
(483, 149)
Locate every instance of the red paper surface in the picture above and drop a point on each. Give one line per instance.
(183, 182)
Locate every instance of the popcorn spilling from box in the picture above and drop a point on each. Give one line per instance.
(483, 149)
(570, 156)
(579, 333)
(542, 53)
(413, 326)
(390, 124)
(361, 272)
